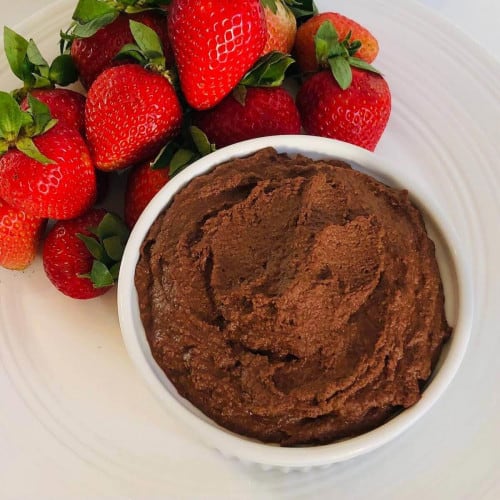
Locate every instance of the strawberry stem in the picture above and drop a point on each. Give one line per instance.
(28, 64)
(17, 127)
(302, 9)
(337, 55)
(268, 71)
(176, 156)
(147, 50)
(106, 248)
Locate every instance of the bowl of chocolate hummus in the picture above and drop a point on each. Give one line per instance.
(296, 301)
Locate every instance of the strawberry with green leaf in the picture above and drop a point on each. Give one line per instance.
(66, 106)
(19, 237)
(215, 42)
(146, 180)
(350, 101)
(45, 167)
(82, 256)
(41, 78)
(191, 145)
(132, 110)
(258, 107)
(100, 29)
(356, 38)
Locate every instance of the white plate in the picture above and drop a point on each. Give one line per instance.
(76, 420)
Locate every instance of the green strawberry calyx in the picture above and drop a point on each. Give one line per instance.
(339, 55)
(28, 64)
(176, 155)
(302, 9)
(147, 51)
(92, 15)
(269, 71)
(107, 247)
(18, 127)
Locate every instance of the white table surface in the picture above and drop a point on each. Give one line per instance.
(478, 18)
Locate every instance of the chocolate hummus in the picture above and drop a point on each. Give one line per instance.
(291, 300)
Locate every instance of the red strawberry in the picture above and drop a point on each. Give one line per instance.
(266, 111)
(142, 185)
(76, 254)
(95, 54)
(60, 190)
(19, 236)
(130, 114)
(305, 51)
(281, 27)
(357, 115)
(45, 168)
(215, 42)
(64, 105)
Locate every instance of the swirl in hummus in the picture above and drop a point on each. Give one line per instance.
(291, 300)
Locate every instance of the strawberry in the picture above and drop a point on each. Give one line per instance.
(281, 27)
(81, 257)
(352, 104)
(95, 54)
(66, 106)
(101, 29)
(357, 115)
(364, 45)
(191, 145)
(45, 167)
(263, 111)
(132, 111)
(147, 179)
(19, 236)
(142, 185)
(215, 42)
(259, 106)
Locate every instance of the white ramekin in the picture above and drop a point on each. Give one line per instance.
(458, 295)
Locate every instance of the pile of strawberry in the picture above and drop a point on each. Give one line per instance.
(166, 81)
